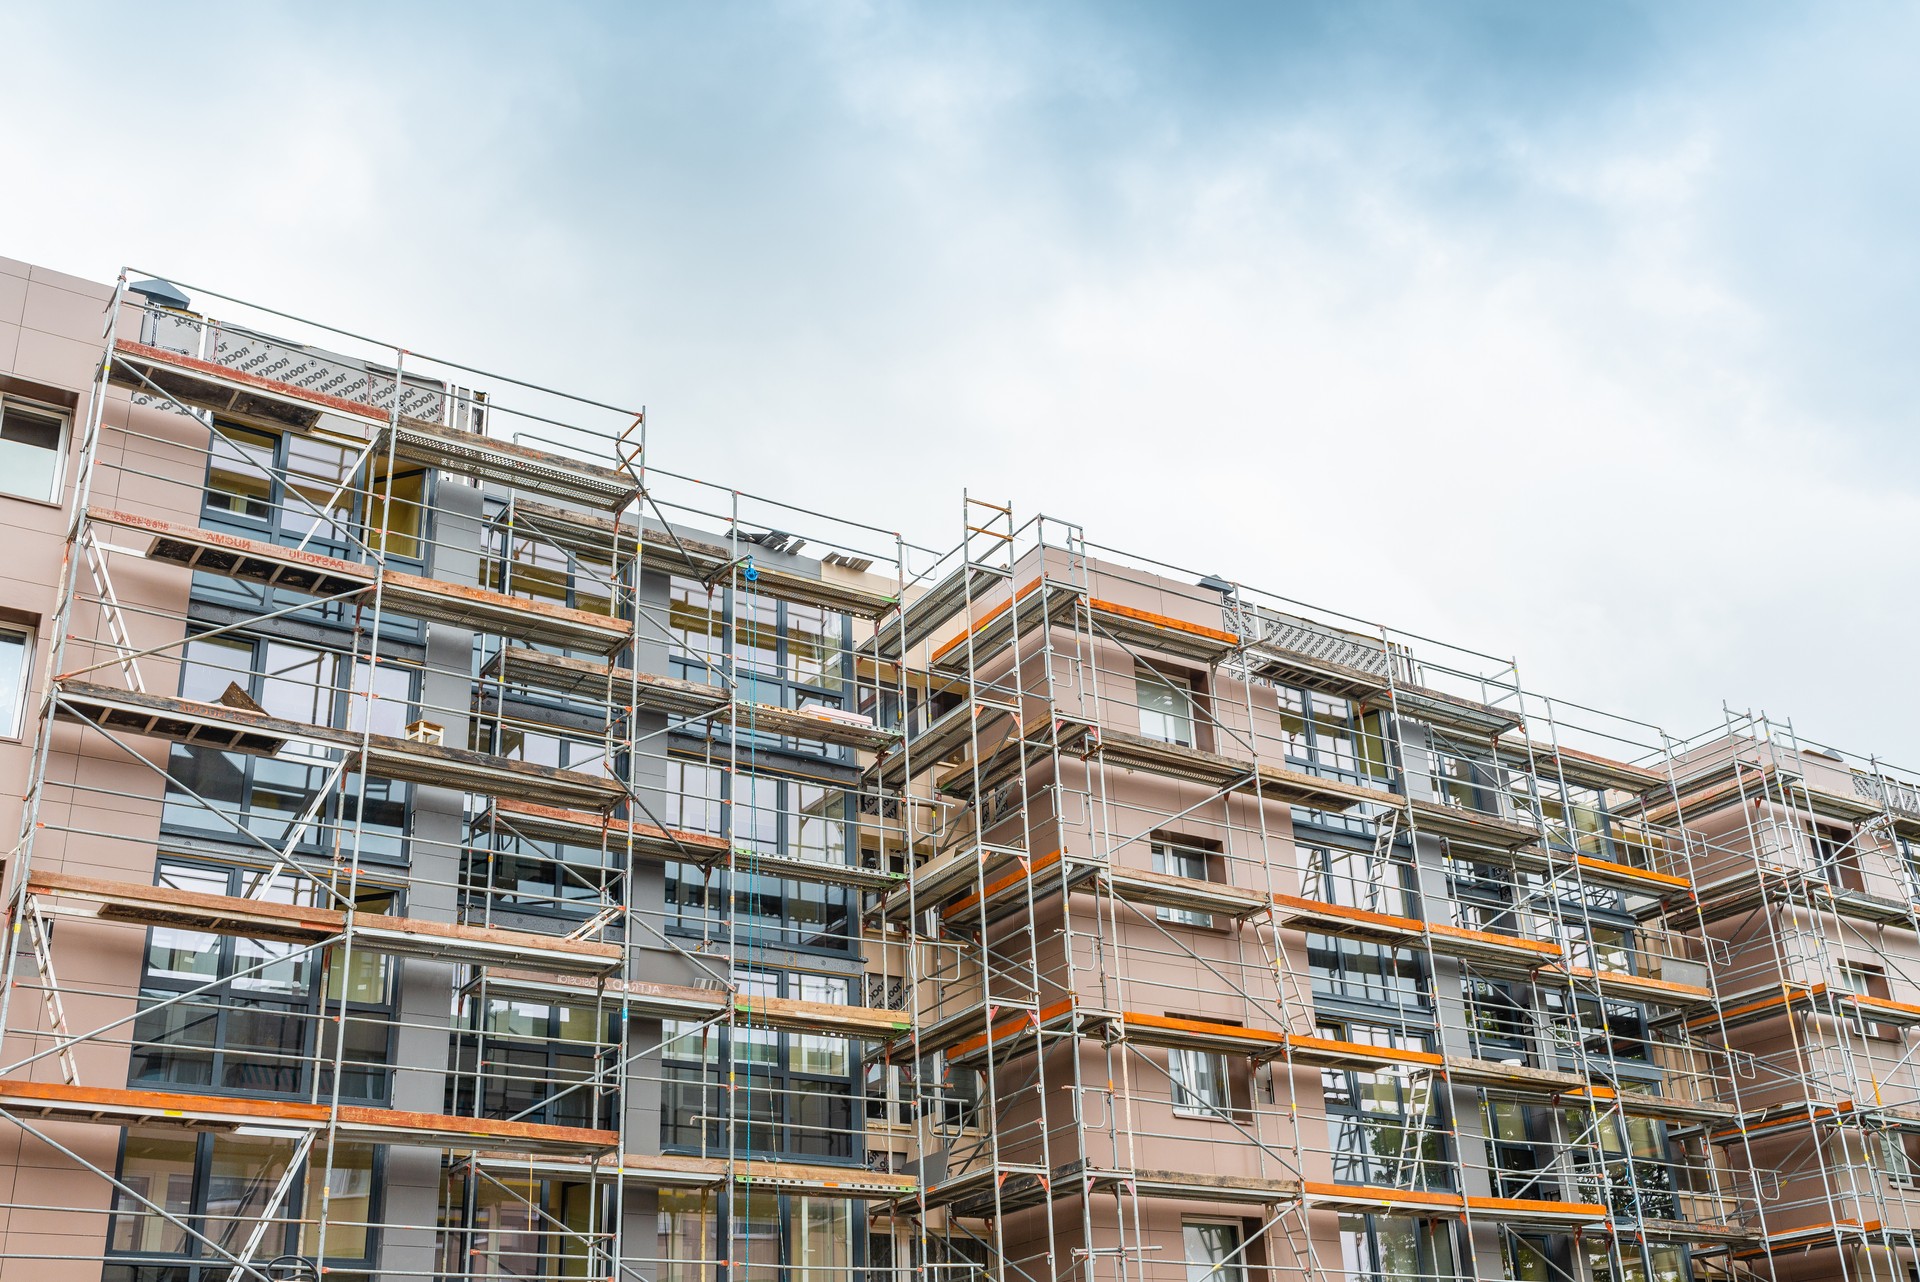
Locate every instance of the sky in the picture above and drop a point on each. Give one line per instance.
(1579, 334)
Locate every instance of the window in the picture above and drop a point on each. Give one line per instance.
(1328, 735)
(1384, 1127)
(266, 1029)
(1166, 708)
(1213, 1252)
(1354, 877)
(32, 453)
(503, 869)
(1378, 1248)
(301, 488)
(1597, 1028)
(798, 1239)
(1909, 854)
(1669, 1263)
(1199, 1082)
(1522, 1167)
(1630, 1174)
(500, 1226)
(1575, 816)
(1594, 946)
(760, 816)
(1460, 782)
(536, 569)
(783, 654)
(531, 1061)
(1898, 1157)
(1181, 859)
(1863, 980)
(793, 1093)
(268, 796)
(1835, 860)
(220, 1184)
(16, 664)
(1535, 1259)
(1357, 877)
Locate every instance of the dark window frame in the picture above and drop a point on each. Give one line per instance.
(391, 843)
(198, 1265)
(309, 1012)
(698, 1063)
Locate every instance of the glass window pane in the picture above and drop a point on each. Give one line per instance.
(298, 684)
(756, 638)
(538, 571)
(160, 1169)
(1166, 710)
(13, 681)
(318, 501)
(592, 586)
(398, 534)
(175, 1043)
(686, 1236)
(1181, 861)
(1199, 1080)
(756, 1237)
(390, 701)
(694, 616)
(813, 646)
(240, 473)
(260, 1048)
(1213, 1252)
(347, 1202)
(30, 452)
(823, 1240)
(210, 664)
(242, 1176)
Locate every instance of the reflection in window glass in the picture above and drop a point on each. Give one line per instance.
(160, 1169)
(686, 1236)
(14, 649)
(348, 1203)
(1213, 1252)
(1199, 1081)
(1166, 709)
(240, 479)
(398, 535)
(30, 441)
(318, 499)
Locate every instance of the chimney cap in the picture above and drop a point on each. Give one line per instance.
(161, 293)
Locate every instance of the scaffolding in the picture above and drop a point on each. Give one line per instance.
(456, 846)
(1124, 898)
(479, 638)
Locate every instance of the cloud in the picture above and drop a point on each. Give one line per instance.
(1571, 333)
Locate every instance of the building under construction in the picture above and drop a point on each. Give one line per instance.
(453, 846)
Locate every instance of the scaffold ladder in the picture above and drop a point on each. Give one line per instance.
(40, 938)
(110, 608)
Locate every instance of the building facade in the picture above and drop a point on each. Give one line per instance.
(453, 846)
